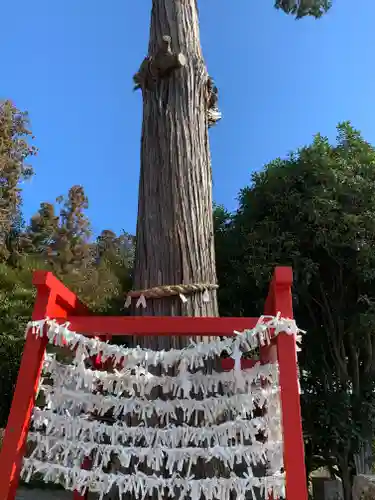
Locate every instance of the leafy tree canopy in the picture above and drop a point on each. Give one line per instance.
(315, 211)
(15, 151)
(57, 238)
(303, 8)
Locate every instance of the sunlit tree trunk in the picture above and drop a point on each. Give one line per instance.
(175, 223)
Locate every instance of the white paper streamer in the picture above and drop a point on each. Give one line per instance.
(206, 296)
(183, 298)
(141, 302)
(141, 485)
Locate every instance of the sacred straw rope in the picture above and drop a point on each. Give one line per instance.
(157, 292)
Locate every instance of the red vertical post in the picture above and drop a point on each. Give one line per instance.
(53, 300)
(294, 455)
(268, 353)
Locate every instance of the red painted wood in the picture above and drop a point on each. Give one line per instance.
(53, 299)
(65, 298)
(268, 354)
(13, 447)
(160, 325)
(56, 301)
(294, 455)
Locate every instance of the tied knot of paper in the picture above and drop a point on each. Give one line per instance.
(141, 302)
(183, 376)
(285, 325)
(237, 356)
(36, 327)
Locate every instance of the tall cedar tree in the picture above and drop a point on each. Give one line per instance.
(115, 257)
(57, 240)
(117, 252)
(98, 271)
(174, 238)
(70, 250)
(16, 293)
(42, 230)
(14, 153)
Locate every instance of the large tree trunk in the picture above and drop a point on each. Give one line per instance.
(174, 242)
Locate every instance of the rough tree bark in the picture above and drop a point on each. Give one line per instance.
(174, 242)
(174, 239)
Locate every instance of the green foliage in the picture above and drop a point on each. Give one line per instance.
(115, 255)
(16, 301)
(224, 255)
(14, 153)
(98, 272)
(70, 249)
(16, 294)
(58, 238)
(41, 231)
(303, 8)
(315, 211)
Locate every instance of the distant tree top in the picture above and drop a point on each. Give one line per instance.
(303, 8)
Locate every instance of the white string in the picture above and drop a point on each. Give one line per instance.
(141, 485)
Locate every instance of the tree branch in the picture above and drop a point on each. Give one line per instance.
(337, 344)
(159, 66)
(355, 365)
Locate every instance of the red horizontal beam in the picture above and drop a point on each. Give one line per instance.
(157, 325)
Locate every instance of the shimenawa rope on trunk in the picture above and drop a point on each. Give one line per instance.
(162, 291)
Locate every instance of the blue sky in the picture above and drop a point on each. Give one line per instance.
(70, 63)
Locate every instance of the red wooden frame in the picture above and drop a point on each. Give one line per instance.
(56, 301)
